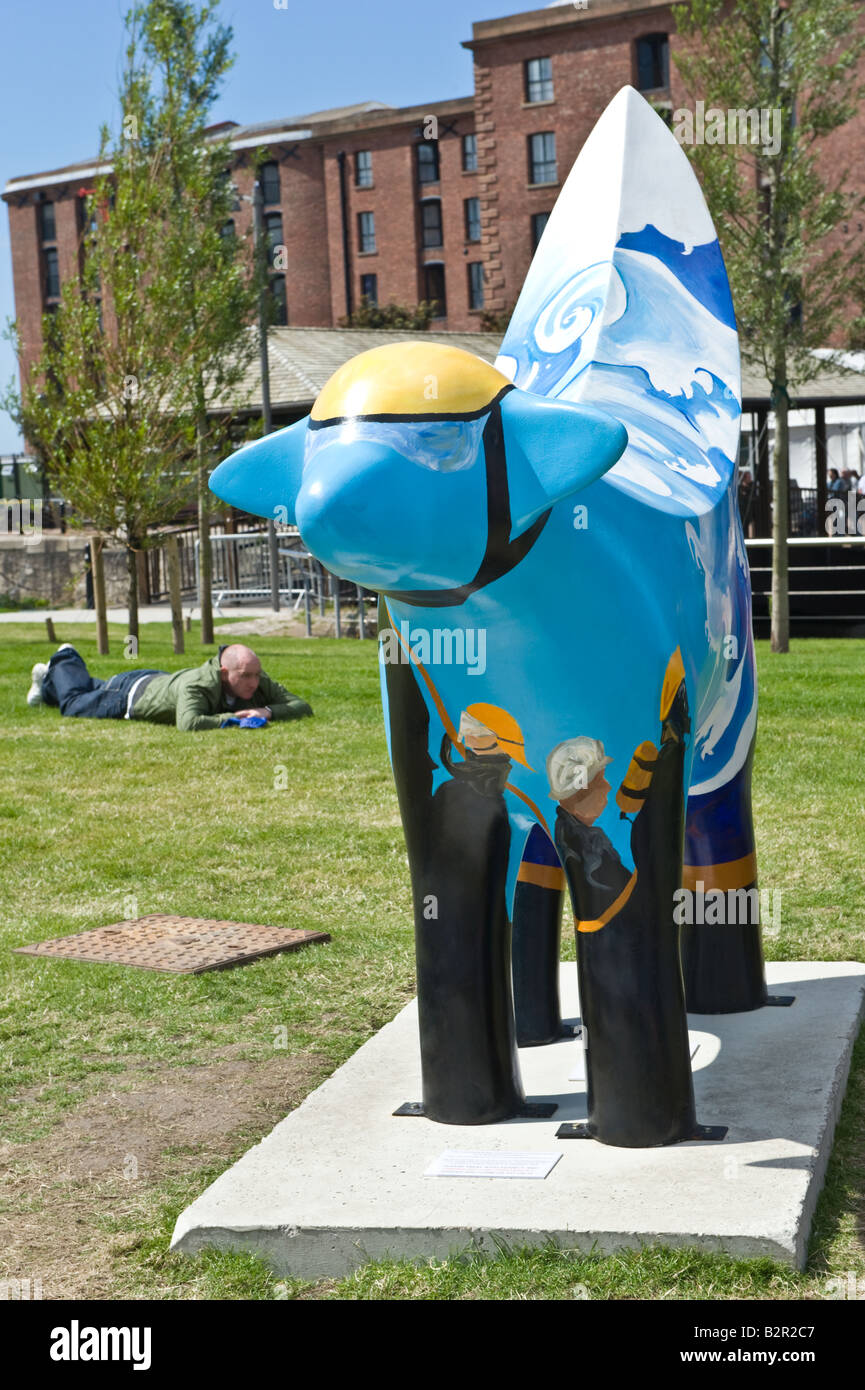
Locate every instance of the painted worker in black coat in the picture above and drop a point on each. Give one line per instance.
(631, 995)
(471, 1073)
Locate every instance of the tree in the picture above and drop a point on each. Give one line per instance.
(204, 292)
(95, 402)
(120, 413)
(779, 204)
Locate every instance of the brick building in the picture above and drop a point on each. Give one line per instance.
(368, 202)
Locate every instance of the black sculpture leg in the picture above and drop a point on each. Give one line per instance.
(722, 955)
(640, 1091)
(463, 944)
(537, 942)
(458, 843)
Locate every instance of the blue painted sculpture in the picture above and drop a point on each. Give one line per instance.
(565, 633)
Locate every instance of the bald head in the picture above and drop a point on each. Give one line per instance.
(238, 657)
(240, 670)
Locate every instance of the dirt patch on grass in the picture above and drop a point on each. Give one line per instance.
(111, 1153)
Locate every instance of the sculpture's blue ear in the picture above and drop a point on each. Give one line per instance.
(554, 448)
(264, 477)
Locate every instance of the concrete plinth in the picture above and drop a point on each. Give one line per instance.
(341, 1180)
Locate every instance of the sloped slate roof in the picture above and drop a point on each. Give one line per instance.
(303, 359)
(829, 387)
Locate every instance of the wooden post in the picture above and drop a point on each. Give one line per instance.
(231, 556)
(764, 521)
(172, 561)
(49, 628)
(821, 460)
(98, 571)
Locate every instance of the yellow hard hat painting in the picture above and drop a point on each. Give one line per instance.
(414, 378)
(505, 729)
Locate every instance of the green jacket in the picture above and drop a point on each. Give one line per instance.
(196, 699)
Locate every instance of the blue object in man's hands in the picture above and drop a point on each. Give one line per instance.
(253, 721)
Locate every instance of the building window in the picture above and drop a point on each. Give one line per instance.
(434, 287)
(431, 222)
(472, 208)
(366, 231)
(278, 300)
(87, 219)
(228, 230)
(539, 79)
(653, 62)
(363, 169)
(470, 154)
(428, 161)
(228, 189)
(539, 221)
(369, 288)
(52, 274)
(269, 180)
(272, 233)
(476, 285)
(542, 158)
(47, 223)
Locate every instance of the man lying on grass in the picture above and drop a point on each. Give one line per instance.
(228, 688)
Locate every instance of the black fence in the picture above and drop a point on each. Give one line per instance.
(804, 518)
(153, 582)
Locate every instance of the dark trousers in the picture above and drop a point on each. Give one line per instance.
(70, 685)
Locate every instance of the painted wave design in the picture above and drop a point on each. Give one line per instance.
(728, 706)
(627, 335)
(650, 336)
(700, 270)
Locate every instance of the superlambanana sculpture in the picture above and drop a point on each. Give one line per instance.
(565, 636)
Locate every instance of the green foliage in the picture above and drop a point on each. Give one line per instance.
(392, 315)
(775, 208)
(205, 295)
(151, 334)
(783, 209)
(496, 320)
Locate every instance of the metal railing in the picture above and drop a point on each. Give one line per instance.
(241, 570)
(825, 581)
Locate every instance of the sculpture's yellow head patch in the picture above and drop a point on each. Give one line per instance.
(409, 379)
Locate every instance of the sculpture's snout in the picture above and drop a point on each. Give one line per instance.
(371, 515)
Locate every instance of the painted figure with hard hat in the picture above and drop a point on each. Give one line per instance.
(463, 949)
(621, 936)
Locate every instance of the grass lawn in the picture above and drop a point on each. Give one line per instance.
(126, 1092)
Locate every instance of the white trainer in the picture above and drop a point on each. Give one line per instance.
(37, 675)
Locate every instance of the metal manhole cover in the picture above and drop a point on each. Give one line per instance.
(182, 945)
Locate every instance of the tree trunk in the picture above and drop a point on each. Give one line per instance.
(132, 568)
(172, 562)
(98, 569)
(780, 521)
(205, 554)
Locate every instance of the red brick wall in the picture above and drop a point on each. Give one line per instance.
(27, 281)
(28, 263)
(304, 229)
(394, 260)
(593, 55)
(395, 199)
(591, 61)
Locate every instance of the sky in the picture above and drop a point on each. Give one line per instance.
(61, 61)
